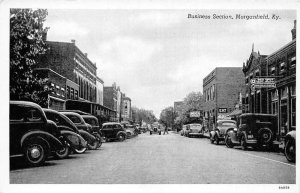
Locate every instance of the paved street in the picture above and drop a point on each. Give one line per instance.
(165, 159)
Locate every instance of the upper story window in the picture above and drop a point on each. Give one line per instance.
(282, 66)
(272, 71)
(62, 92)
(293, 61)
(257, 73)
(247, 80)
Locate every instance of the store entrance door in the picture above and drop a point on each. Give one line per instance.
(283, 117)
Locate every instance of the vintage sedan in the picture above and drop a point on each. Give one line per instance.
(194, 130)
(72, 135)
(255, 130)
(290, 146)
(113, 130)
(85, 129)
(31, 134)
(222, 127)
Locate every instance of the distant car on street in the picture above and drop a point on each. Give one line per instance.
(194, 130)
(113, 130)
(155, 130)
(221, 129)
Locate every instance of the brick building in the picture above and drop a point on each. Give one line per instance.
(281, 100)
(221, 91)
(255, 67)
(71, 64)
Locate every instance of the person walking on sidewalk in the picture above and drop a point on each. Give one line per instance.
(166, 130)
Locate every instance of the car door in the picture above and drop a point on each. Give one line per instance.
(16, 129)
(107, 131)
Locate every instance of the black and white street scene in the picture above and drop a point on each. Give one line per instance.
(153, 96)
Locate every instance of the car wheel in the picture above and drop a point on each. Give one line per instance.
(36, 151)
(290, 150)
(121, 137)
(80, 151)
(216, 139)
(265, 136)
(94, 145)
(243, 143)
(211, 139)
(64, 153)
(228, 141)
(150, 133)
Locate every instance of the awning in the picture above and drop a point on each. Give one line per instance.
(235, 113)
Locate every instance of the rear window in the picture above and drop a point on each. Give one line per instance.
(74, 118)
(16, 113)
(227, 124)
(195, 126)
(91, 121)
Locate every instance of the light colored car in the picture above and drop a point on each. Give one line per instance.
(222, 127)
(194, 130)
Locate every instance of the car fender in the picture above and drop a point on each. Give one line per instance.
(54, 143)
(74, 139)
(87, 136)
(122, 132)
(290, 135)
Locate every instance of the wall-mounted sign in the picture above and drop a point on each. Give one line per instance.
(222, 110)
(263, 83)
(195, 114)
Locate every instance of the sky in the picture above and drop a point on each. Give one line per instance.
(156, 56)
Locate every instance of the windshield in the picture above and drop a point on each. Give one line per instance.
(227, 124)
(91, 121)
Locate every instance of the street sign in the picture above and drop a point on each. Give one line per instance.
(263, 83)
(222, 110)
(195, 114)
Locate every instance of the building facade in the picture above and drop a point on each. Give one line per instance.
(281, 99)
(126, 112)
(119, 101)
(221, 90)
(70, 63)
(255, 100)
(100, 90)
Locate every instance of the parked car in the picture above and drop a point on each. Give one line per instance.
(93, 140)
(113, 130)
(75, 111)
(183, 130)
(31, 134)
(93, 121)
(255, 130)
(72, 135)
(194, 130)
(290, 146)
(222, 127)
(131, 131)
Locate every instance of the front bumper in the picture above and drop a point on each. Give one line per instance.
(251, 141)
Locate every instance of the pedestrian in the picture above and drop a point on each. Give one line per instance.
(166, 130)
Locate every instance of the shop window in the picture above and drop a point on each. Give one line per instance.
(256, 73)
(293, 90)
(284, 92)
(293, 109)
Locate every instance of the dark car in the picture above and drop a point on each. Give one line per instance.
(221, 129)
(155, 129)
(290, 146)
(72, 135)
(113, 130)
(93, 121)
(255, 130)
(93, 140)
(31, 134)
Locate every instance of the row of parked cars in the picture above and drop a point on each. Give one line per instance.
(258, 131)
(37, 133)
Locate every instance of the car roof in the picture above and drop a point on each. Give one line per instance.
(75, 111)
(111, 123)
(25, 103)
(89, 116)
